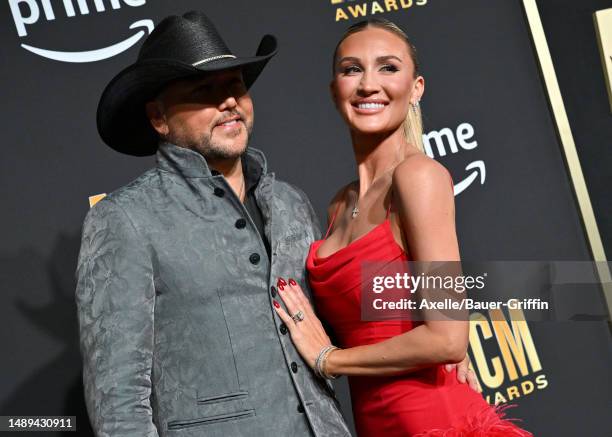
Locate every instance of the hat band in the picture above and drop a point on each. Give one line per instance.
(213, 58)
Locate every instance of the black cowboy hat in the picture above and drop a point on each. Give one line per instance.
(179, 47)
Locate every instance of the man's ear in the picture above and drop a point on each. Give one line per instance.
(156, 117)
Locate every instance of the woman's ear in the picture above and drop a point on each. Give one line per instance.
(419, 87)
(156, 117)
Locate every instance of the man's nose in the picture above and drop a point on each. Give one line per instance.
(228, 102)
(227, 99)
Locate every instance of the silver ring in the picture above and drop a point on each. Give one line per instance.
(298, 317)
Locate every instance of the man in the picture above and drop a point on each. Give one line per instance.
(176, 271)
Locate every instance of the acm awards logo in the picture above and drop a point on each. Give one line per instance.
(28, 12)
(514, 369)
(348, 9)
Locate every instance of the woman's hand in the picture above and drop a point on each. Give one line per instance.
(308, 334)
(465, 374)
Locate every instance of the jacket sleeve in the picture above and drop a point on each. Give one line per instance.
(313, 219)
(315, 226)
(115, 299)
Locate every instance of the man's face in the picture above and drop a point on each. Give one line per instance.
(212, 114)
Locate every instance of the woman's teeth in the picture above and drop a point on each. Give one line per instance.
(371, 105)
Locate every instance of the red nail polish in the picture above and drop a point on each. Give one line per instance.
(280, 287)
(282, 282)
(292, 282)
(276, 304)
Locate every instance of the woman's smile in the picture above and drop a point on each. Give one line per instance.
(369, 106)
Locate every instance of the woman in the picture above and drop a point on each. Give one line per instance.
(401, 208)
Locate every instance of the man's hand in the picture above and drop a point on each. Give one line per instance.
(464, 373)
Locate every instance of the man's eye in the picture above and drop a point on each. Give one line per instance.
(202, 89)
(237, 84)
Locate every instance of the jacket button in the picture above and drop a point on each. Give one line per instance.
(254, 258)
(283, 329)
(300, 408)
(294, 367)
(219, 192)
(240, 223)
(273, 291)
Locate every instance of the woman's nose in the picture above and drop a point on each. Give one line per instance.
(368, 84)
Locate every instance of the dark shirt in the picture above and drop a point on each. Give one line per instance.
(250, 203)
(251, 179)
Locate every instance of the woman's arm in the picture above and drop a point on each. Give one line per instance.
(425, 202)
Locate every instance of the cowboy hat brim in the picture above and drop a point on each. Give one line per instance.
(121, 118)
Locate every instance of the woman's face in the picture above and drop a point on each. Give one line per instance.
(374, 82)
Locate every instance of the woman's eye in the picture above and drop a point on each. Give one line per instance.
(389, 67)
(351, 69)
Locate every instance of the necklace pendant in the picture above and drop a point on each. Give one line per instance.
(355, 212)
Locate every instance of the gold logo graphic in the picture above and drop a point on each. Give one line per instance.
(95, 199)
(516, 370)
(347, 9)
(603, 26)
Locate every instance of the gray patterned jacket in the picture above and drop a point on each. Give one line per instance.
(178, 333)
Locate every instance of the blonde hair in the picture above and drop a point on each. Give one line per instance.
(413, 124)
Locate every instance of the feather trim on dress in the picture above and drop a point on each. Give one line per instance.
(488, 422)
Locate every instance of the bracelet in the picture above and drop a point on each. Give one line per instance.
(324, 364)
(321, 361)
(317, 365)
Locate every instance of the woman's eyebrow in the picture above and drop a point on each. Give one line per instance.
(349, 58)
(387, 57)
(378, 59)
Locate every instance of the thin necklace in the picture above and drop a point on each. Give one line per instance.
(355, 211)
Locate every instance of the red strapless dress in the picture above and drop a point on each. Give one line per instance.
(430, 402)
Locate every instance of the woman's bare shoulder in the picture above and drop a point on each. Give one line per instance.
(417, 170)
(423, 186)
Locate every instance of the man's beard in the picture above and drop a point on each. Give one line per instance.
(217, 151)
(210, 149)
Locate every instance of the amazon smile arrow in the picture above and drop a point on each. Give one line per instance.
(479, 168)
(99, 54)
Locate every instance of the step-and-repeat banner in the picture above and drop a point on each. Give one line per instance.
(486, 118)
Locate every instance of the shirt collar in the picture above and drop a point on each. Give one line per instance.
(191, 164)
